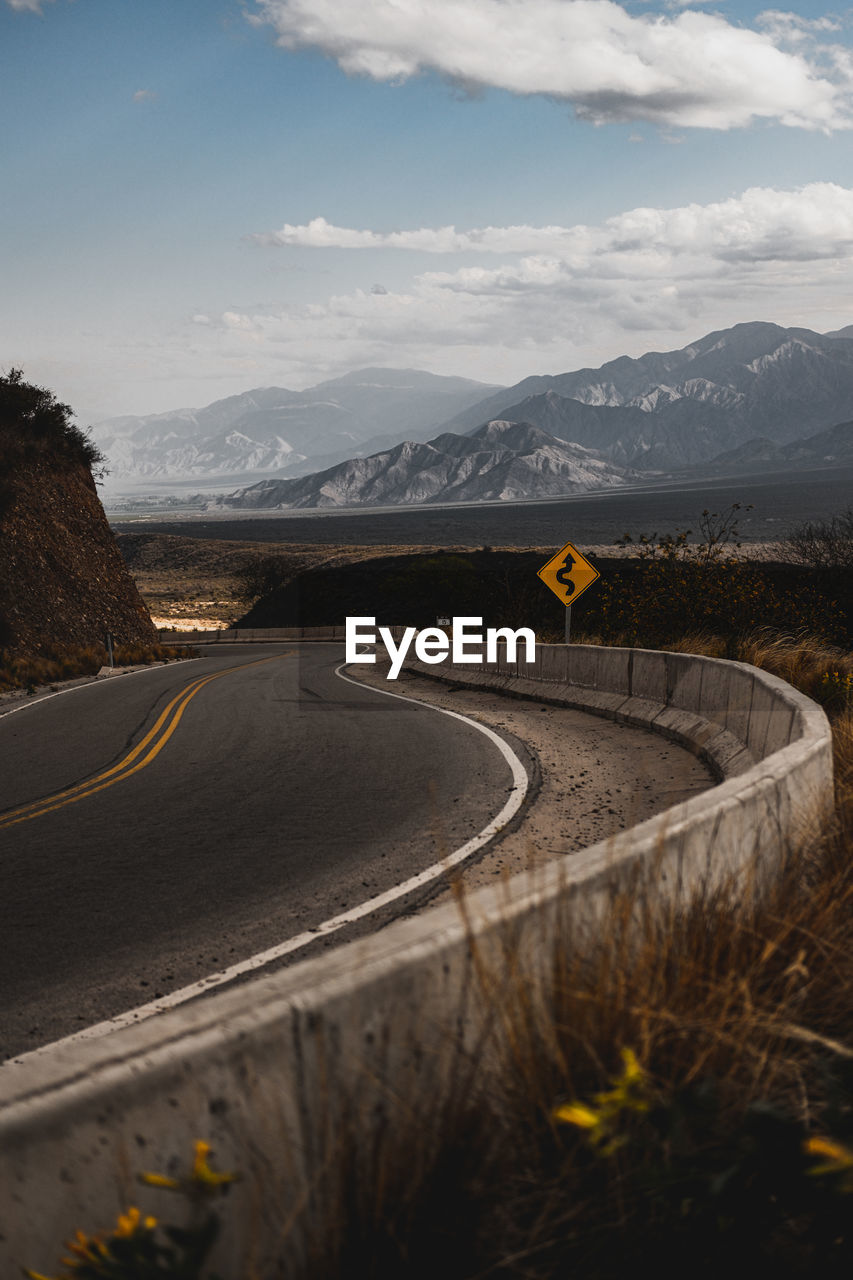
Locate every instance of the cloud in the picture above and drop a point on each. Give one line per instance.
(320, 234)
(681, 69)
(559, 297)
(144, 95)
(28, 6)
(813, 221)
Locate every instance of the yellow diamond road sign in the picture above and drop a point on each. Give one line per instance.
(568, 574)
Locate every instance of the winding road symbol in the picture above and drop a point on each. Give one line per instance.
(563, 575)
(568, 574)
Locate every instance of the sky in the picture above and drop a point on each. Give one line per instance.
(207, 196)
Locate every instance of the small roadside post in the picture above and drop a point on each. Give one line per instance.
(568, 574)
(110, 648)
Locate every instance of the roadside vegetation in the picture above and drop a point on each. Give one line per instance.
(58, 662)
(681, 1099)
(704, 583)
(678, 1099)
(34, 423)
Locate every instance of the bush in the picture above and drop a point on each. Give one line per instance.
(825, 544)
(706, 586)
(33, 422)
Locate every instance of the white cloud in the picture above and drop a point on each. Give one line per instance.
(558, 297)
(687, 69)
(144, 95)
(814, 221)
(28, 6)
(320, 234)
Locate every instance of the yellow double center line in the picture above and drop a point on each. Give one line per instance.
(135, 760)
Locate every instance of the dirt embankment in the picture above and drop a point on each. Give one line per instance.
(62, 578)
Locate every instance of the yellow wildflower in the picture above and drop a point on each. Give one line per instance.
(578, 1114)
(131, 1222)
(202, 1173)
(160, 1180)
(836, 1157)
(201, 1177)
(629, 1093)
(633, 1073)
(89, 1248)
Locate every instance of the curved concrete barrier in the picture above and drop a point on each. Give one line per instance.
(252, 635)
(274, 1072)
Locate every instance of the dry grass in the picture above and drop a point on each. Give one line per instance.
(739, 1019)
(742, 1021)
(56, 664)
(802, 659)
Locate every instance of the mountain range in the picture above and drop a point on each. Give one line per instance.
(498, 461)
(667, 411)
(274, 430)
(755, 396)
(831, 447)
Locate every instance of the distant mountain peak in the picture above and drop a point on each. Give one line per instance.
(272, 430)
(667, 410)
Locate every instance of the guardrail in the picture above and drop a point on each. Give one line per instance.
(252, 635)
(274, 1071)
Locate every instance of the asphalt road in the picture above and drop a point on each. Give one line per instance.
(159, 826)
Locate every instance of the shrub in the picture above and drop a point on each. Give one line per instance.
(33, 422)
(823, 544)
(707, 585)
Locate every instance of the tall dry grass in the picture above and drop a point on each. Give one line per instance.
(742, 1023)
(741, 1017)
(58, 663)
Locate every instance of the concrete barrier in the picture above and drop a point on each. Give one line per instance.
(252, 635)
(276, 1072)
(261, 635)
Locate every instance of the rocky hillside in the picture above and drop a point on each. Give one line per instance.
(499, 461)
(62, 578)
(833, 447)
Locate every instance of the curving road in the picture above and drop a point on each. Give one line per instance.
(161, 826)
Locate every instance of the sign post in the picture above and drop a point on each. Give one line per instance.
(568, 574)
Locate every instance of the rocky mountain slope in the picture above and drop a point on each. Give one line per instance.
(665, 412)
(824, 448)
(669, 409)
(273, 430)
(63, 581)
(501, 460)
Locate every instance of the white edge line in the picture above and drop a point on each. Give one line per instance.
(91, 684)
(520, 786)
